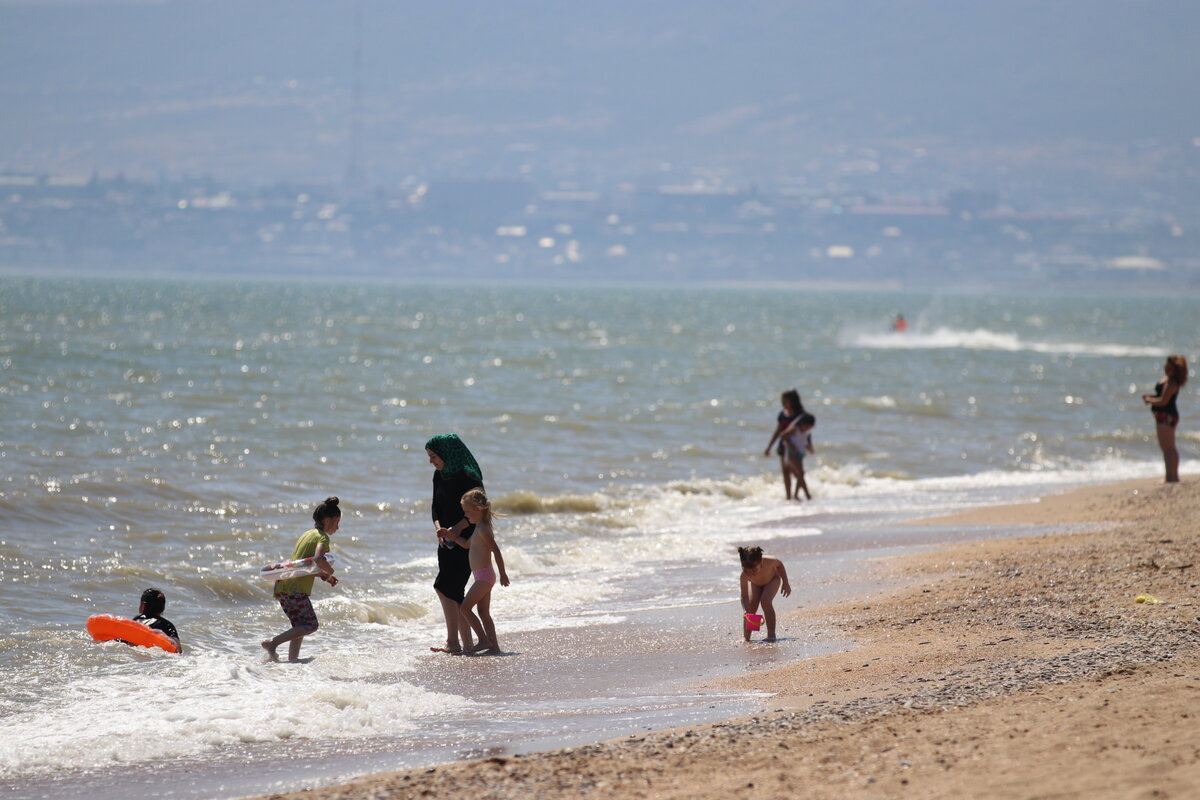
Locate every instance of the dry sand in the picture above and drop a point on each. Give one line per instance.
(1014, 668)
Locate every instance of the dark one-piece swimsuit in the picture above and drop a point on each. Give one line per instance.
(1168, 412)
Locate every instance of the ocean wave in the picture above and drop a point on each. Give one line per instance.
(527, 502)
(621, 511)
(1122, 435)
(202, 702)
(732, 488)
(984, 339)
(889, 404)
(372, 611)
(230, 588)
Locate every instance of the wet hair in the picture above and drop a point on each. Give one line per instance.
(792, 398)
(477, 498)
(153, 602)
(329, 508)
(751, 556)
(807, 419)
(1178, 370)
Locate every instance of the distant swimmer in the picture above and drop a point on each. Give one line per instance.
(899, 325)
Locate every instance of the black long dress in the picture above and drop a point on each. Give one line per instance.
(454, 565)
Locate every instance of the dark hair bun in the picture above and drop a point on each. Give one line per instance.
(750, 555)
(325, 510)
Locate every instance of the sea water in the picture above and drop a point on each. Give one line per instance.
(177, 433)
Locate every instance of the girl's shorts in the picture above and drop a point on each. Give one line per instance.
(299, 610)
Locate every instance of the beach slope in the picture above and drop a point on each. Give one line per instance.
(1063, 664)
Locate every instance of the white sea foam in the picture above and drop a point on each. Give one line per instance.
(984, 339)
(133, 711)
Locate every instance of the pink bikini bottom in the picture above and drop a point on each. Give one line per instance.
(484, 575)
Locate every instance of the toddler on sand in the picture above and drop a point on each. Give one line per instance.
(762, 577)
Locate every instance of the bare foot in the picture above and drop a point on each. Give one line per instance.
(493, 651)
(446, 650)
(481, 647)
(769, 638)
(270, 648)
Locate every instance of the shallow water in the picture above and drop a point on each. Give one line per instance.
(177, 434)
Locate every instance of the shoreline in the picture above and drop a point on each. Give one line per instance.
(997, 662)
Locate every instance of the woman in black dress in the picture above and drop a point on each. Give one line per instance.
(455, 473)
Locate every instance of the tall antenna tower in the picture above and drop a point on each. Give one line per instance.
(355, 172)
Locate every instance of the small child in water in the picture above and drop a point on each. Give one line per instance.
(150, 614)
(482, 544)
(762, 577)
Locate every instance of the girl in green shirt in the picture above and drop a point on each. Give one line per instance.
(293, 594)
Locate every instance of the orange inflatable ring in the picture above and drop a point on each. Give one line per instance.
(106, 627)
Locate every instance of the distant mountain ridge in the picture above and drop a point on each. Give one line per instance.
(264, 90)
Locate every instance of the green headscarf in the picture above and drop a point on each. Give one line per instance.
(454, 452)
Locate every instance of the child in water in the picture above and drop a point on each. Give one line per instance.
(293, 594)
(762, 577)
(150, 614)
(797, 441)
(482, 544)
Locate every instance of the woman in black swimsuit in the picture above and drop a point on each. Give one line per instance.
(1166, 413)
(455, 473)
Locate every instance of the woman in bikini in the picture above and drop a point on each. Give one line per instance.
(1166, 412)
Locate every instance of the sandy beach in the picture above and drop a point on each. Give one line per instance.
(1062, 664)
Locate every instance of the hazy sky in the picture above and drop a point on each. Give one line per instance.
(264, 90)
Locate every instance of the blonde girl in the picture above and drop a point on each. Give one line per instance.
(481, 545)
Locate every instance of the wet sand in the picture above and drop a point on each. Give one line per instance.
(1008, 668)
